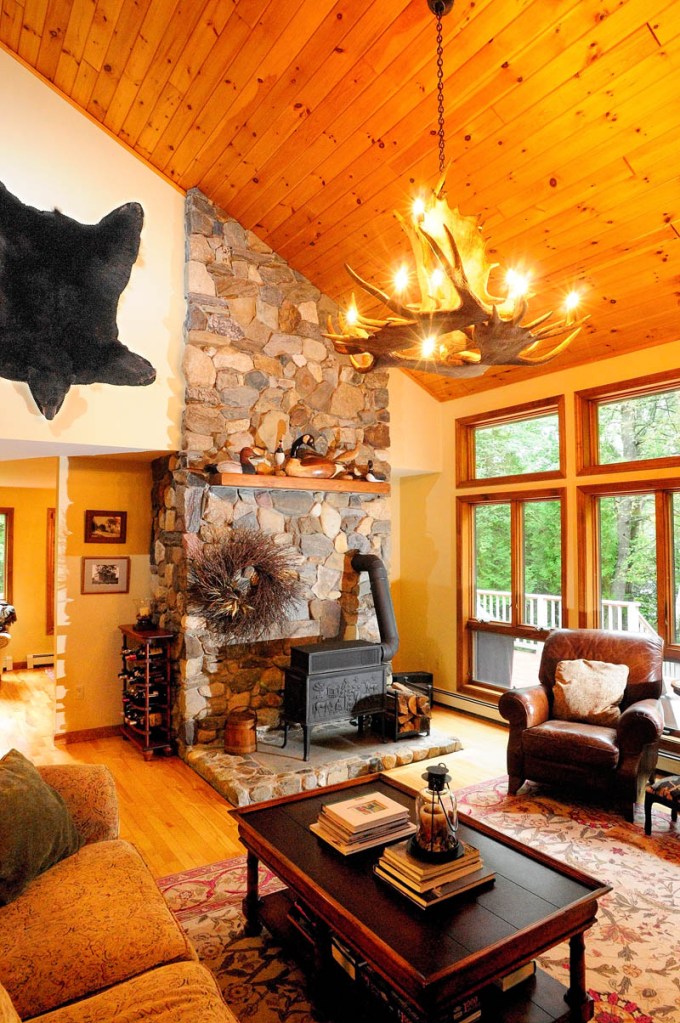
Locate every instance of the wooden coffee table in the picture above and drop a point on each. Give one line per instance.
(428, 962)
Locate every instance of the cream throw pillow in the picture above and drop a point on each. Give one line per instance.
(589, 691)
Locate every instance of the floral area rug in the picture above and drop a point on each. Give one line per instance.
(632, 952)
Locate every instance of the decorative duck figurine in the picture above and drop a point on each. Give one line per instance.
(254, 461)
(305, 461)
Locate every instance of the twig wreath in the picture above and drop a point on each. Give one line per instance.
(242, 584)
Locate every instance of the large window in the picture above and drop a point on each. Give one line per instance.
(6, 524)
(630, 423)
(524, 441)
(514, 571)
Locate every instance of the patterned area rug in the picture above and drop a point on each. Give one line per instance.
(633, 951)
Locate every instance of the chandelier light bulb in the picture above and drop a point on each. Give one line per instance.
(572, 300)
(401, 278)
(517, 283)
(428, 346)
(418, 208)
(437, 278)
(352, 315)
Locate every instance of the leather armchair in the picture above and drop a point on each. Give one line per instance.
(617, 761)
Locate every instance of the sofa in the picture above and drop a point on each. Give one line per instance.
(91, 937)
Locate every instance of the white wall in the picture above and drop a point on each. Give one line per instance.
(54, 156)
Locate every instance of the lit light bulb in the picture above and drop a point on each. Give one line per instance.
(428, 346)
(437, 278)
(572, 300)
(518, 283)
(401, 278)
(418, 208)
(352, 315)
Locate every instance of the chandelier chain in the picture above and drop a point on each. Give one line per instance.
(440, 95)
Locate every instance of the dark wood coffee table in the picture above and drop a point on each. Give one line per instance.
(428, 961)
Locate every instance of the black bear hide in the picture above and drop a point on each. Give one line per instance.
(60, 282)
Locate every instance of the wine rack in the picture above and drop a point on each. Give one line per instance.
(145, 678)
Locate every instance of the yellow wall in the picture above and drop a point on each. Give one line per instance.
(53, 156)
(427, 540)
(29, 589)
(88, 688)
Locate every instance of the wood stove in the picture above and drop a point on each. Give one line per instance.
(332, 681)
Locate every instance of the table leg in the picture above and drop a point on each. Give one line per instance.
(251, 902)
(306, 735)
(582, 1005)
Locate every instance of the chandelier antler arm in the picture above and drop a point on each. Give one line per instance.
(382, 296)
(470, 310)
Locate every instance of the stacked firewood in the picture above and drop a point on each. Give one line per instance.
(412, 708)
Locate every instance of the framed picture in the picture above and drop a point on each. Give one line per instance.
(105, 575)
(105, 526)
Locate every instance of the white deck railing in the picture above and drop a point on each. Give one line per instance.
(544, 611)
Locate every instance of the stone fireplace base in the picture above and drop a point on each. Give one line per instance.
(336, 756)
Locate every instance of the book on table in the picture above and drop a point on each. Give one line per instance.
(366, 840)
(364, 812)
(441, 892)
(421, 875)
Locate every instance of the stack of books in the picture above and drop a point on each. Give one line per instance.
(362, 822)
(429, 883)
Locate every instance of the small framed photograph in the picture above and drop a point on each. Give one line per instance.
(105, 526)
(105, 575)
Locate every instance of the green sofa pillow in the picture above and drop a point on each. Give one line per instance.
(36, 829)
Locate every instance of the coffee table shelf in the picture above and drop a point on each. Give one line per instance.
(539, 999)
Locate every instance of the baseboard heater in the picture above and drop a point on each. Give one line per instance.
(39, 660)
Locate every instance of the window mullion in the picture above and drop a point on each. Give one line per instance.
(516, 562)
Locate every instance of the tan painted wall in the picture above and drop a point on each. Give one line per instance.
(29, 590)
(88, 688)
(427, 539)
(53, 156)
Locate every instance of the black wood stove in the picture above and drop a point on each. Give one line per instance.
(340, 680)
(332, 681)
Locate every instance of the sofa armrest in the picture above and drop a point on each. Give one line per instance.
(89, 792)
(640, 724)
(524, 708)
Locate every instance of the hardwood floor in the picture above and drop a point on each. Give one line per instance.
(176, 819)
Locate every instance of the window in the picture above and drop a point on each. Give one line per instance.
(512, 559)
(522, 441)
(633, 530)
(631, 423)
(6, 530)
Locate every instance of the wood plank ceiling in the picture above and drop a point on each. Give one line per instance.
(311, 121)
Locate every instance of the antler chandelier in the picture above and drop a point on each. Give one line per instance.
(445, 319)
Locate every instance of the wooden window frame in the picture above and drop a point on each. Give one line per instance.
(465, 442)
(49, 571)
(586, 409)
(467, 623)
(588, 548)
(9, 552)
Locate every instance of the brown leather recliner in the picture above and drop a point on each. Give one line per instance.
(617, 760)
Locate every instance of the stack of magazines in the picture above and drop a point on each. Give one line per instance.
(430, 883)
(362, 822)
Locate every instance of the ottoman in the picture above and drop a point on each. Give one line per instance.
(665, 791)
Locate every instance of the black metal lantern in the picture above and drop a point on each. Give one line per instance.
(436, 838)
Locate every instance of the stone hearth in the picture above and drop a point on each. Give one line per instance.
(271, 772)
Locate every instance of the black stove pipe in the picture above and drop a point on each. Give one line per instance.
(382, 601)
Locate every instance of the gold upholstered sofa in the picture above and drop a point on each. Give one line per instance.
(91, 939)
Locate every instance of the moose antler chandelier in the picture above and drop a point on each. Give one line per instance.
(445, 319)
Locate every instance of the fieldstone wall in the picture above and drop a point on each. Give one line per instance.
(258, 372)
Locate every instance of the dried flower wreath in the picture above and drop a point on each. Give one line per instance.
(242, 584)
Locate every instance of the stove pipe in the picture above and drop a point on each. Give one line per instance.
(382, 601)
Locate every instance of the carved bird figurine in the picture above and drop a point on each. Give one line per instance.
(254, 461)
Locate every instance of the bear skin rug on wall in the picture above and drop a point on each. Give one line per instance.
(60, 282)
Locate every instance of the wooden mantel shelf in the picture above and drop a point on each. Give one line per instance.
(256, 482)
